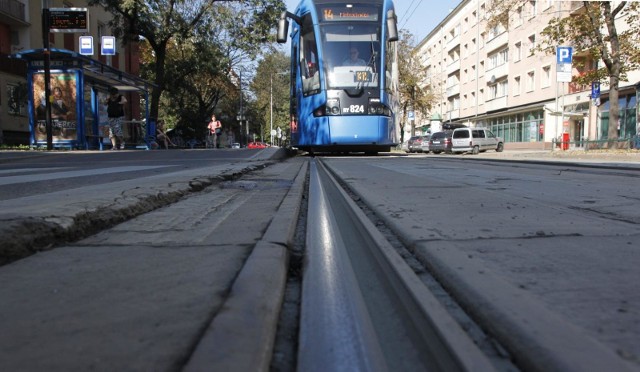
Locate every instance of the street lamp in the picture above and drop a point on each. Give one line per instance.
(271, 101)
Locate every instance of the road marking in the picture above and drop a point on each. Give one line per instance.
(29, 170)
(80, 173)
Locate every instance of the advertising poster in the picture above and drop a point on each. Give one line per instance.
(103, 118)
(63, 106)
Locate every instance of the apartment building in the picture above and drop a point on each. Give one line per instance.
(492, 78)
(21, 43)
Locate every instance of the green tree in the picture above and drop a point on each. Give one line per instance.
(413, 76)
(244, 25)
(593, 32)
(272, 80)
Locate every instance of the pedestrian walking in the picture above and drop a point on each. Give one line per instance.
(116, 112)
(215, 129)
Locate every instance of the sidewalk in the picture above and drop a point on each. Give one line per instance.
(196, 282)
(609, 158)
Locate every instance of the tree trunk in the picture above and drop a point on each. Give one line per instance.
(159, 80)
(614, 111)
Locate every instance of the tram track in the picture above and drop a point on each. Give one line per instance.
(391, 302)
(363, 307)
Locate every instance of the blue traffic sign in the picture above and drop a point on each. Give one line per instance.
(564, 54)
(595, 89)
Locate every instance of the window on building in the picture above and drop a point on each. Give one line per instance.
(548, 4)
(533, 8)
(516, 86)
(474, 101)
(519, 17)
(532, 44)
(493, 91)
(473, 73)
(531, 78)
(481, 97)
(503, 88)
(546, 77)
(517, 54)
(453, 103)
(498, 59)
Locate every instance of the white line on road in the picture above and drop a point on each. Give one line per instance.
(79, 173)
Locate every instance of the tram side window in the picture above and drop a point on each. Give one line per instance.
(309, 59)
(389, 64)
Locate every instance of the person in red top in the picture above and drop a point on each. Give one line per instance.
(215, 128)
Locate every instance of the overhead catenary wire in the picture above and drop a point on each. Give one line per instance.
(412, 12)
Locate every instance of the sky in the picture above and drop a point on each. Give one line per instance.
(418, 16)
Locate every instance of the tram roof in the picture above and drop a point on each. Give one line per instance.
(93, 69)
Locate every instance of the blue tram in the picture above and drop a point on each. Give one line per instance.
(344, 75)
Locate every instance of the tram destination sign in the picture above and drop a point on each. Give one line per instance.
(68, 20)
(353, 13)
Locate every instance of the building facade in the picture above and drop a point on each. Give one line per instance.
(493, 78)
(20, 31)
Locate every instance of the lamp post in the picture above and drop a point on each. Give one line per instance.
(271, 102)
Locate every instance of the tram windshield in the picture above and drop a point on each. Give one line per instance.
(351, 54)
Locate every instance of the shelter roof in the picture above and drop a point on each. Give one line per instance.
(93, 69)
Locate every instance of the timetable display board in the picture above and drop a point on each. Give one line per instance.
(68, 20)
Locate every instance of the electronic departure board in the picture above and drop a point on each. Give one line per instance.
(68, 20)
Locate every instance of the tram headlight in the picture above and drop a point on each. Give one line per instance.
(378, 108)
(333, 106)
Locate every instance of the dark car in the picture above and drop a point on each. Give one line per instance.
(440, 142)
(415, 143)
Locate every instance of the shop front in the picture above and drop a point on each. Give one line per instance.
(79, 86)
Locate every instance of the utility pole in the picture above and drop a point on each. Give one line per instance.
(47, 74)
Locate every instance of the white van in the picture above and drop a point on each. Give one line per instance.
(475, 140)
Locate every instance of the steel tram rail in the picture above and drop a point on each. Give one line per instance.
(363, 308)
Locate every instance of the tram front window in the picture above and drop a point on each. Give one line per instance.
(351, 55)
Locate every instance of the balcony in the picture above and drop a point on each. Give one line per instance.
(496, 104)
(453, 43)
(453, 114)
(453, 67)
(453, 90)
(497, 72)
(13, 13)
(497, 42)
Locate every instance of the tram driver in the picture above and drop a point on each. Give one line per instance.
(353, 59)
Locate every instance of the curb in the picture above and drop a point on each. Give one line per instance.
(241, 337)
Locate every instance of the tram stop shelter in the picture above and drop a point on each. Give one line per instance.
(79, 86)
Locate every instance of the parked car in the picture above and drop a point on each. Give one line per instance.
(415, 144)
(424, 146)
(440, 142)
(256, 145)
(235, 145)
(475, 140)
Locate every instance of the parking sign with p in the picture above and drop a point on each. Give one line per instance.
(564, 54)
